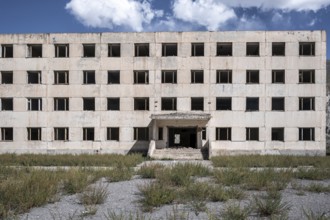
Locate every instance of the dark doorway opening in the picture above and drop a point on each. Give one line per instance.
(182, 137)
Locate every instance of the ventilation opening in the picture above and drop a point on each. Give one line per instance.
(170, 49)
(89, 50)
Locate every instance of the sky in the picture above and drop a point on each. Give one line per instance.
(56, 16)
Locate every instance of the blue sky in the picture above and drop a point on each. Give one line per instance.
(45, 16)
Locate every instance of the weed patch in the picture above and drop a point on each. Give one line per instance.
(94, 195)
(149, 171)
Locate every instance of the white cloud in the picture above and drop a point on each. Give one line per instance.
(131, 14)
(208, 13)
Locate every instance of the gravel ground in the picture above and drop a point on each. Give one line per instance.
(123, 200)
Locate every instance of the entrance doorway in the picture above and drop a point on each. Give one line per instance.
(182, 137)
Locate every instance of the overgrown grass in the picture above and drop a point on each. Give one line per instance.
(312, 174)
(149, 171)
(235, 212)
(94, 195)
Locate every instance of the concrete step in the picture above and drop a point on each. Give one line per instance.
(179, 154)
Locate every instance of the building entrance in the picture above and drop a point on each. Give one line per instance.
(182, 137)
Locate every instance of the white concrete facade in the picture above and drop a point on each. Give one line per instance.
(238, 119)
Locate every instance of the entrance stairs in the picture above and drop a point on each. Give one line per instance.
(180, 154)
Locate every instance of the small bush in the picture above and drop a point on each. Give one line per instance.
(94, 195)
(235, 212)
(218, 194)
(149, 171)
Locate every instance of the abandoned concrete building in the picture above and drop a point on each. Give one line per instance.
(222, 92)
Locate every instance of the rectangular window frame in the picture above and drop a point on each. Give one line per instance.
(141, 76)
(141, 134)
(7, 50)
(61, 104)
(306, 48)
(89, 77)
(31, 131)
(278, 48)
(6, 104)
(307, 134)
(34, 104)
(224, 76)
(224, 103)
(250, 106)
(62, 50)
(278, 104)
(34, 77)
(113, 133)
(224, 49)
(278, 134)
(6, 134)
(252, 49)
(34, 50)
(61, 77)
(278, 76)
(89, 50)
(61, 134)
(88, 134)
(197, 49)
(113, 104)
(306, 76)
(169, 76)
(88, 103)
(252, 134)
(197, 76)
(169, 49)
(172, 106)
(252, 77)
(197, 103)
(141, 104)
(141, 50)
(223, 134)
(306, 103)
(114, 50)
(113, 76)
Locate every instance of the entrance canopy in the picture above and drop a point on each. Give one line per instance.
(182, 116)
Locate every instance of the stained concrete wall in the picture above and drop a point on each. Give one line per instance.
(238, 119)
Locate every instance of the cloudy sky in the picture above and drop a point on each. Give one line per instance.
(40, 16)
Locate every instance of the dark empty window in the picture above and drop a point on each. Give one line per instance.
(61, 50)
(223, 103)
(34, 134)
(88, 134)
(141, 50)
(307, 48)
(34, 77)
(61, 134)
(169, 49)
(141, 134)
(252, 134)
(6, 134)
(113, 104)
(306, 76)
(34, 50)
(252, 76)
(61, 77)
(114, 77)
(141, 104)
(34, 104)
(141, 77)
(6, 104)
(306, 103)
(277, 134)
(168, 104)
(160, 133)
(203, 133)
(278, 104)
(6, 77)
(61, 104)
(169, 76)
(223, 134)
(306, 134)
(197, 104)
(7, 51)
(278, 76)
(278, 49)
(113, 50)
(197, 49)
(113, 134)
(252, 104)
(89, 50)
(89, 104)
(252, 49)
(197, 76)
(224, 76)
(224, 49)
(89, 77)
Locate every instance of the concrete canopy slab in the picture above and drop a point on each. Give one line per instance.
(181, 116)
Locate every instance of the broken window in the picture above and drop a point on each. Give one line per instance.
(7, 104)
(197, 49)
(197, 76)
(113, 50)
(6, 77)
(141, 50)
(169, 76)
(224, 49)
(61, 134)
(141, 104)
(252, 76)
(89, 50)
(34, 77)
(223, 134)
(141, 133)
(34, 134)
(252, 49)
(113, 134)
(306, 134)
(277, 134)
(168, 104)
(224, 76)
(160, 133)
(114, 77)
(89, 104)
(6, 134)
(35, 50)
(169, 49)
(197, 104)
(306, 103)
(34, 104)
(61, 50)
(141, 77)
(307, 48)
(278, 104)
(61, 77)
(278, 49)
(89, 77)
(223, 103)
(306, 76)
(7, 51)
(88, 134)
(278, 76)
(252, 134)
(61, 104)
(252, 104)
(113, 104)
(203, 133)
